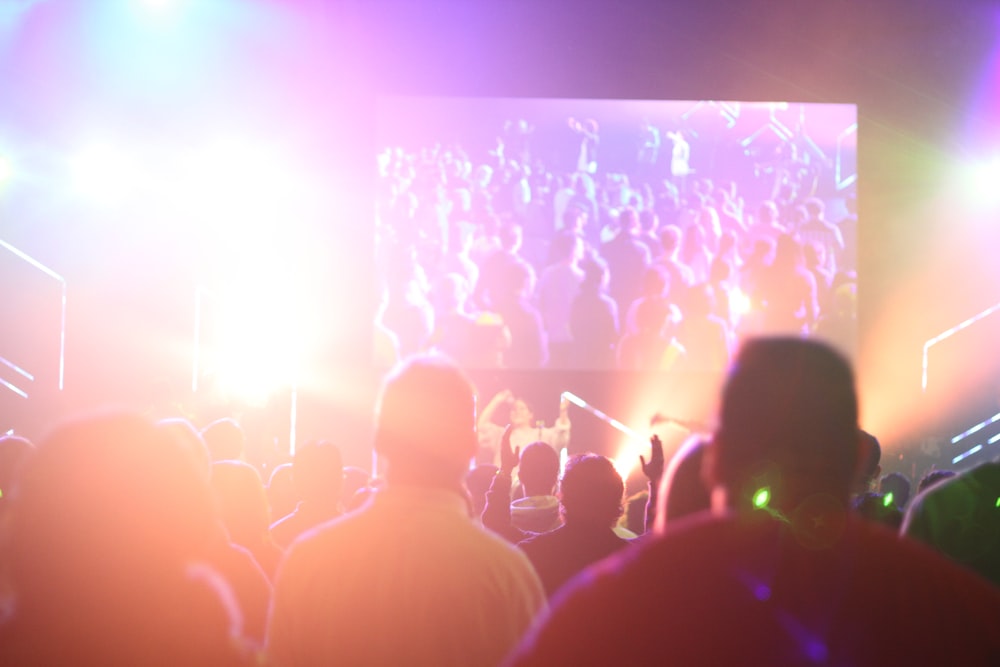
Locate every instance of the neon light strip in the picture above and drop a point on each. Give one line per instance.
(614, 423)
(948, 334)
(14, 389)
(962, 457)
(976, 428)
(841, 182)
(31, 260)
(993, 439)
(62, 324)
(14, 367)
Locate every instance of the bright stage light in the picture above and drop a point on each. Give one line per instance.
(739, 303)
(157, 5)
(6, 170)
(982, 183)
(102, 173)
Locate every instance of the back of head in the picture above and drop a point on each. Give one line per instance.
(591, 491)
(13, 451)
(878, 508)
(896, 486)
(426, 422)
(281, 491)
(109, 515)
(224, 439)
(190, 439)
(242, 501)
(684, 491)
(869, 459)
(539, 469)
(318, 471)
(477, 483)
(788, 416)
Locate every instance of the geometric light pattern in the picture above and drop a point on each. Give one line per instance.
(27, 374)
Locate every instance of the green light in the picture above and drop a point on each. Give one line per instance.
(762, 497)
(887, 500)
(998, 502)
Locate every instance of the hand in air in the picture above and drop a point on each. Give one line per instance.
(653, 470)
(509, 457)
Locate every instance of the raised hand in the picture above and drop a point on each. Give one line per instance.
(653, 470)
(509, 457)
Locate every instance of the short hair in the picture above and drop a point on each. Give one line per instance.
(591, 490)
(933, 477)
(510, 234)
(869, 457)
(318, 471)
(224, 439)
(13, 451)
(427, 411)
(683, 490)
(105, 492)
(670, 238)
(897, 484)
(539, 467)
(241, 499)
(878, 508)
(788, 403)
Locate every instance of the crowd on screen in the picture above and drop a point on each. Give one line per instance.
(512, 258)
(775, 540)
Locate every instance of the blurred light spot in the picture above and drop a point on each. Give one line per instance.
(762, 497)
(102, 173)
(6, 170)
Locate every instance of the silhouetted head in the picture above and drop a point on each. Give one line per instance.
(318, 471)
(869, 458)
(539, 469)
(788, 421)
(897, 486)
(426, 422)
(224, 439)
(477, 483)
(184, 432)
(112, 518)
(281, 491)
(934, 477)
(879, 508)
(683, 490)
(591, 491)
(13, 451)
(242, 501)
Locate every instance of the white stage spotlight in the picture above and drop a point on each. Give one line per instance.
(102, 173)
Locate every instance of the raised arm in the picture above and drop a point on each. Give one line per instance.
(496, 514)
(503, 397)
(653, 470)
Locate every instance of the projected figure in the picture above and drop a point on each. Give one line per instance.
(680, 156)
(649, 141)
(525, 429)
(588, 129)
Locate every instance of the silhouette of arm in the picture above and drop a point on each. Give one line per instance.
(653, 470)
(496, 514)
